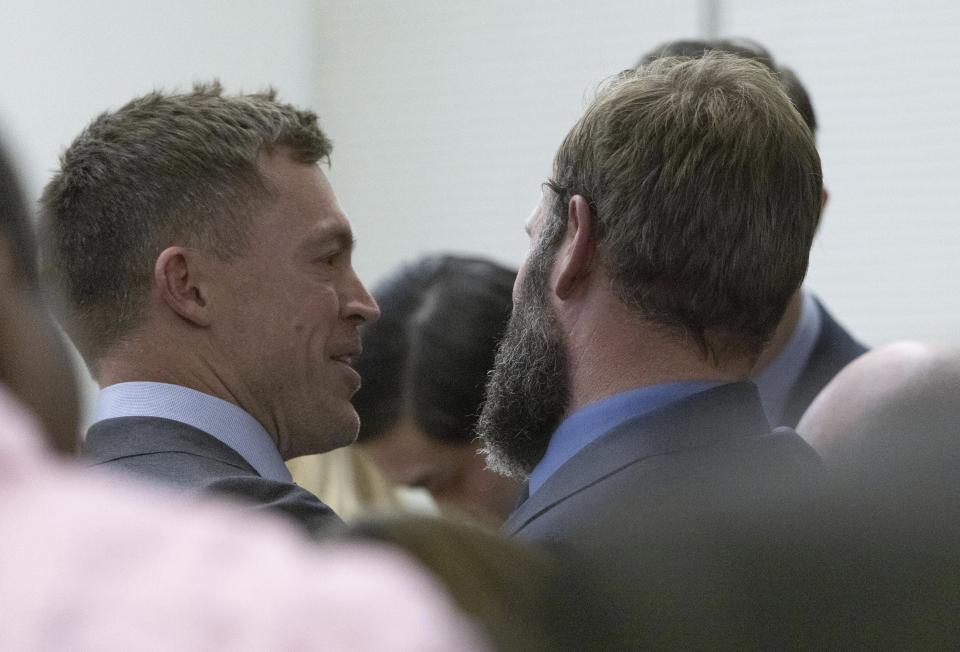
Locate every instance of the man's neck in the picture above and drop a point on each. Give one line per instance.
(612, 351)
(116, 370)
(158, 353)
(120, 369)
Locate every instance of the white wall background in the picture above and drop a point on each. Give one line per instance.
(62, 63)
(885, 81)
(446, 114)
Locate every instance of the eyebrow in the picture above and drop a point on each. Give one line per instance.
(340, 235)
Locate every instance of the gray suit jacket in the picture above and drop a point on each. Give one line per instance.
(657, 511)
(182, 456)
(708, 453)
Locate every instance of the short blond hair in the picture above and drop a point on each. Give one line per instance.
(163, 169)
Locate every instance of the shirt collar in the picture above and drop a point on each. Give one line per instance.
(776, 380)
(220, 419)
(590, 422)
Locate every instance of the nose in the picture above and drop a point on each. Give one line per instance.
(360, 306)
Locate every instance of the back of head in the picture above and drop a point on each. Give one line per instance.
(705, 185)
(743, 48)
(429, 355)
(164, 169)
(34, 362)
(887, 424)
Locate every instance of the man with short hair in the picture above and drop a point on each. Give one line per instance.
(674, 230)
(808, 347)
(94, 563)
(205, 270)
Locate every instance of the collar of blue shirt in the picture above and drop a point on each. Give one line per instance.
(590, 422)
(225, 421)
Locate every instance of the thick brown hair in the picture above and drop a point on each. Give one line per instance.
(749, 49)
(705, 186)
(164, 169)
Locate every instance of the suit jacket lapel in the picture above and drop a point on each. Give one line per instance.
(731, 410)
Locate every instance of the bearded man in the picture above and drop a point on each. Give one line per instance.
(673, 232)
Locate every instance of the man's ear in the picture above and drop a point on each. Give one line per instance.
(577, 249)
(175, 277)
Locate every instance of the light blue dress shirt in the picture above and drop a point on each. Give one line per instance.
(776, 380)
(600, 417)
(225, 421)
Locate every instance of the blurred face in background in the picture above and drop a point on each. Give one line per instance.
(455, 474)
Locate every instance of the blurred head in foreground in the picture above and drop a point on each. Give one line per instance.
(34, 363)
(871, 564)
(842, 572)
(424, 365)
(889, 424)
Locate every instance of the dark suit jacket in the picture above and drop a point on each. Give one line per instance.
(179, 455)
(655, 508)
(834, 350)
(711, 448)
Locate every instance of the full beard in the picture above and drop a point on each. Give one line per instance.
(528, 389)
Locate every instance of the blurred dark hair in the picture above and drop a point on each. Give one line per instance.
(34, 362)
(842, 572)
(15, 226)
(429, 354)
(524, 598)
(743, 47)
